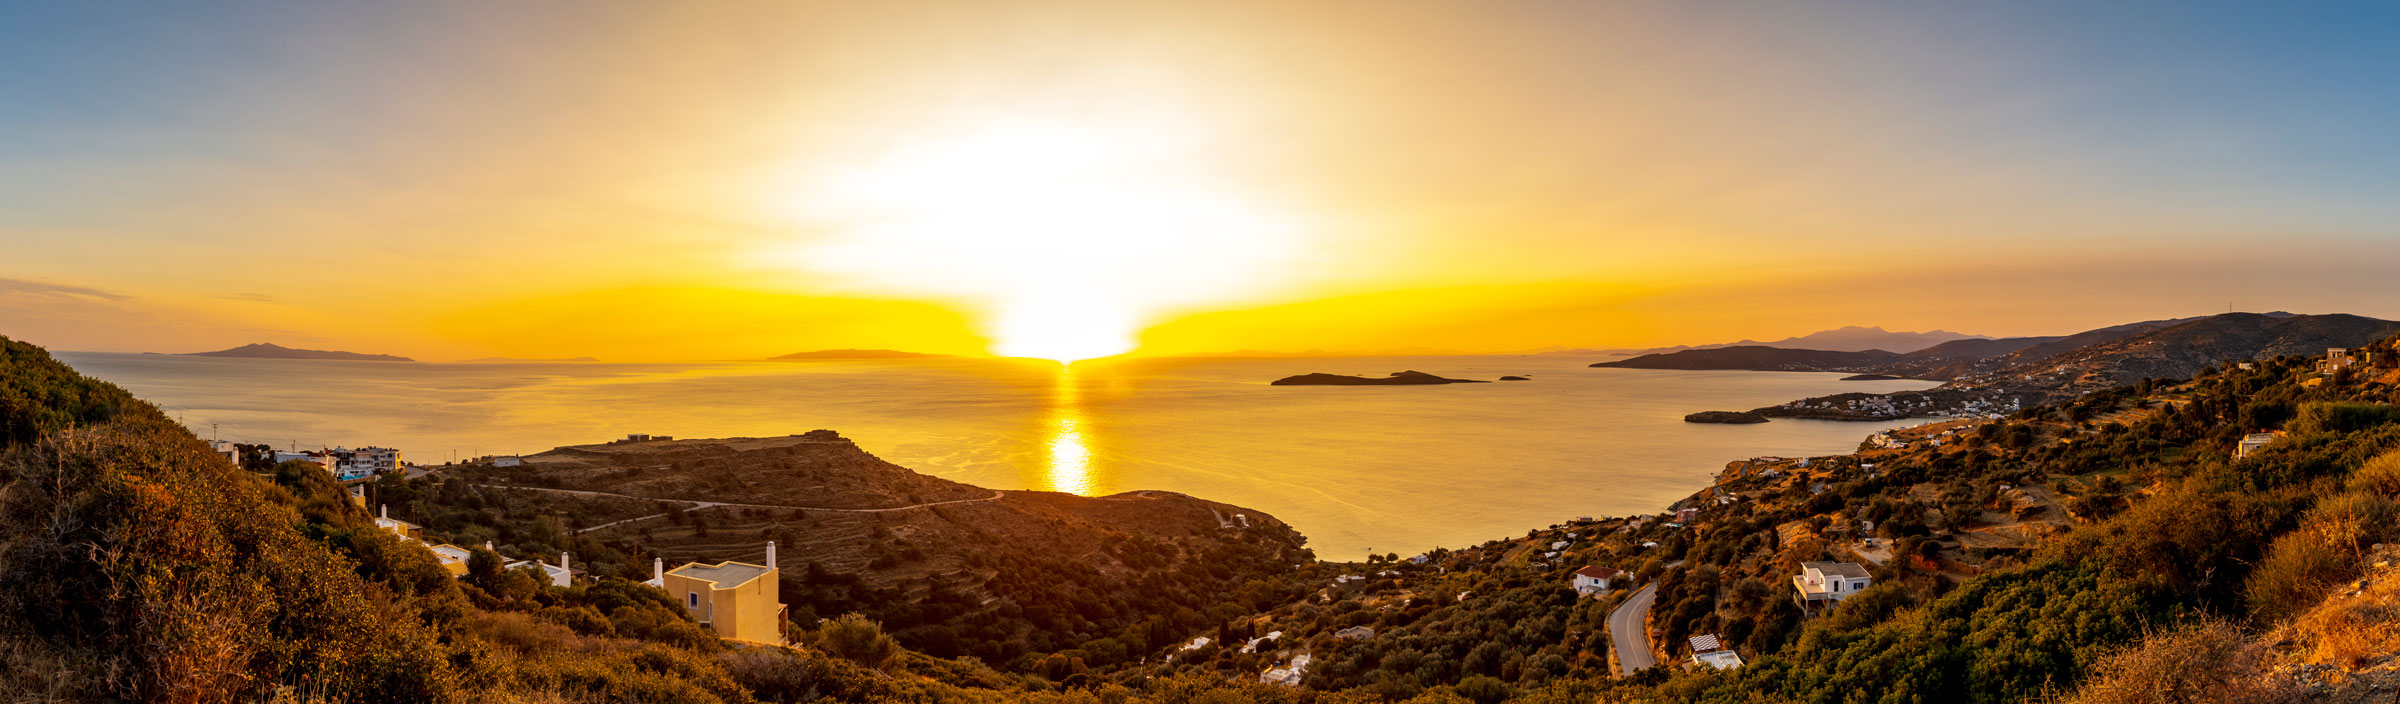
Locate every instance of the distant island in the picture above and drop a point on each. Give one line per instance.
(1872, 377)
(520, 360)
(268, 350)
(1724, 417)
(859, 354)
(1406, 378)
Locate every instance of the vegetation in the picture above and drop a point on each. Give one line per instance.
(2106, 549)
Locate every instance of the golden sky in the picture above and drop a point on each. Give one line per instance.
(727, 180)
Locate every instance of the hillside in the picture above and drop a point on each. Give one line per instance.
(2112, 549)
(2060, 370)
(1758, 358)
(952, 569)
(1845, 339)
(137, 565)
(269, 350)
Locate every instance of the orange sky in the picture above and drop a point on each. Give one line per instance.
(725, 180)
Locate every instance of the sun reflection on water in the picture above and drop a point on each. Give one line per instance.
(1070, 456)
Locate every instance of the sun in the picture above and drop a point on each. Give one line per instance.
(1065, 238)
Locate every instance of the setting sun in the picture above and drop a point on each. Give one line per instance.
(1067, 238)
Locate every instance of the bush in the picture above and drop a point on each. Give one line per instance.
(2208, 661)
(854, 638)
(2380, 475)
(2342, 417)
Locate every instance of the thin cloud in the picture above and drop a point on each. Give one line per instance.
(51, 290)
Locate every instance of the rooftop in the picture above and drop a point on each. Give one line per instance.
(448, 553)
(1598, 572)
(1702, 644)
(1837, 569)
(726, 575)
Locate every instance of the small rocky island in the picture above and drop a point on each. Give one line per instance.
(1725, 417)
(1872, 377)
(1407, 378)
(1516, 378)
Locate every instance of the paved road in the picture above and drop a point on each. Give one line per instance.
(1628, 628)
(696, 504)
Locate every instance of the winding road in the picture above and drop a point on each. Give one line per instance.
(1628, 628)
(698, 504)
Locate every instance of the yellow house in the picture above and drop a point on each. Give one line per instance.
(404, 529)
(452, 557)
(738, 600)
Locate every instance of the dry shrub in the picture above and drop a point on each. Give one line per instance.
(2380, 475)
(2207, 661)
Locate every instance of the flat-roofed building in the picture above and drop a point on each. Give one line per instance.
(1820, 582)
(739, 600)
(452, 557)
(2253, 443)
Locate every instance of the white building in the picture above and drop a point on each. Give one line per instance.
(385, 521)
(1288, 675)
(2253, 443)
(1825, 582)
(1706, 650)
(559, 575)
(1594, 579)
(228, 451)
(507, 461)
(364, 462)
(313, 457)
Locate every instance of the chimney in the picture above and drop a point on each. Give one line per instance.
(562, 561)
(770, 554)
(383, 511)
(487, 545)
(658, 569)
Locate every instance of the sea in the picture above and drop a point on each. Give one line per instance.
(1359, 470)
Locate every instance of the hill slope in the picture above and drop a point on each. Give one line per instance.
(953, 569)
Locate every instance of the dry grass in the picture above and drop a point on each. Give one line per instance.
(2354, 627)
(2206, 661)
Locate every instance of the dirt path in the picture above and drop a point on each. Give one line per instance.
(698, 504)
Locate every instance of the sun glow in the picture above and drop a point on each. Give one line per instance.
(1070, 466)
(1066, 238)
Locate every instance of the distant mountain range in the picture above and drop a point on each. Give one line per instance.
(268, 350)
(859, 354)
(1845, 339)
(2016, 372)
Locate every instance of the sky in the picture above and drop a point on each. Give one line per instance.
(729, 180)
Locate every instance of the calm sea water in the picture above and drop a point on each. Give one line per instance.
(1358, 469)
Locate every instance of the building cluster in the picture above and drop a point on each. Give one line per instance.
(738, 601)
(641, 437)
(344, 463)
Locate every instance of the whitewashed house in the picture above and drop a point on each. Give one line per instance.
(1594, 579)
(1827, 582)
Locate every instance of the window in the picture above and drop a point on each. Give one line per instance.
(691, 599)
